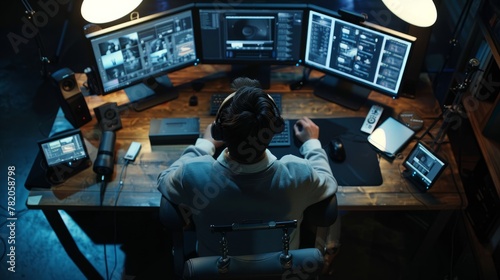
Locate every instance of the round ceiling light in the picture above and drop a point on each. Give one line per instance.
(102, 11)
(420, 13)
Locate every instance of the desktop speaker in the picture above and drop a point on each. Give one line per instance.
(108, 116)
(71, 99)
(66, 81)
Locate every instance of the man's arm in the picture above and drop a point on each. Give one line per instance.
(317, 157)
(308, 133)
(169, 181)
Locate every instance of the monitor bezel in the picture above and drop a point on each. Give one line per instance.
(132, 24)
(372, 27)
(410, 169)
(248, 6)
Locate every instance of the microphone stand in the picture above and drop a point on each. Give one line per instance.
(454, 40)
(452, 112)
(44, 59)
(30, 13)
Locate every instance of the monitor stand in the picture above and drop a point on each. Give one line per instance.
(152, 92)
(342, 92)
(261, 73)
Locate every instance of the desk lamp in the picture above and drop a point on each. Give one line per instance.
(102, 11)
(420, 14)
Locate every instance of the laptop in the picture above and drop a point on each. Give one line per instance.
(64, 155)
(423, 167)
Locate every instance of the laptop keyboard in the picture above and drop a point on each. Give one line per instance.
(279, 140)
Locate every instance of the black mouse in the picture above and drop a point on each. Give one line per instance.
(337, 150)
(193, 100)
(299, 126)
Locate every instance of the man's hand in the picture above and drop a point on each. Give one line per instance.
(306, 129)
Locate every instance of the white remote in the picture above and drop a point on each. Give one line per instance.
(133, 151)
(372, 118)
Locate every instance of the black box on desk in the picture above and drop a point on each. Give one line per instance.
(171, 131)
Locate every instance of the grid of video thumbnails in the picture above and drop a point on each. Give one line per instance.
(147, 52)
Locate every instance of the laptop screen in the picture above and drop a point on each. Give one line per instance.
(66, 148)
(423, 167)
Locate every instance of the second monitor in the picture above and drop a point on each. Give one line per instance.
(356, 56)
(251, 37)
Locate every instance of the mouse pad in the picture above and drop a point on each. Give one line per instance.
(361, 166)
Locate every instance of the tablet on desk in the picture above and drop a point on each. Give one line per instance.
(64, 155)
(423, 167)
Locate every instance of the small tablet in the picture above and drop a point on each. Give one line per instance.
(64, 154)
(390, 137)
(423, 167)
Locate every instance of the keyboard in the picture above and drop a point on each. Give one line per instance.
(279, 140)
(282, 139)
(217, 98)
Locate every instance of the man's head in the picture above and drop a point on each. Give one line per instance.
(247, 121)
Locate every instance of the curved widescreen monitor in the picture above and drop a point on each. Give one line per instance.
(136, 51)
(362, 55)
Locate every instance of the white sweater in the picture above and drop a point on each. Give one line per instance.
(223, 192)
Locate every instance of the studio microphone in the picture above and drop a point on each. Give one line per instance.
(104, 162)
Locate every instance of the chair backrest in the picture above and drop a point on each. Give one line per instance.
(306, 259)
(306, 263)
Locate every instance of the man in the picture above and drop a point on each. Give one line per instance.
(247, 182)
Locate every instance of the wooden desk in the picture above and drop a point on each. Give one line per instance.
(139, 189)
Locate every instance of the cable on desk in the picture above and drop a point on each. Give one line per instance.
(101, 198)
(115, 233)
(120, 181)
(103, 189)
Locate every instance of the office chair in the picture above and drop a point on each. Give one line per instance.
(303, 263)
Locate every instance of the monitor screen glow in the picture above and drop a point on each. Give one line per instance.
(424, 166)
(134, 51)
(251, 34)
(364, 53)
(64, 149)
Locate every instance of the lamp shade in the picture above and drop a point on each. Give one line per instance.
(102, 11)
(420, 13)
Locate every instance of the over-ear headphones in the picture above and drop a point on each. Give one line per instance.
(217, 131)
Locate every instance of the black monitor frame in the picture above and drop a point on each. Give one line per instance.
(249, 60)
(140, 80)
(350, 90)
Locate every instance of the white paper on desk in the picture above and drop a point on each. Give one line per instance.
(390, 136)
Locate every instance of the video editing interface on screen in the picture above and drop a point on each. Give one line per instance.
(64, 150)
(360, 54)
(251, 35)
(136, 52)
(423, 165)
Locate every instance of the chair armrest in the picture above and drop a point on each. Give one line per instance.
(320, 214)
(170, 215)
(323, 213)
